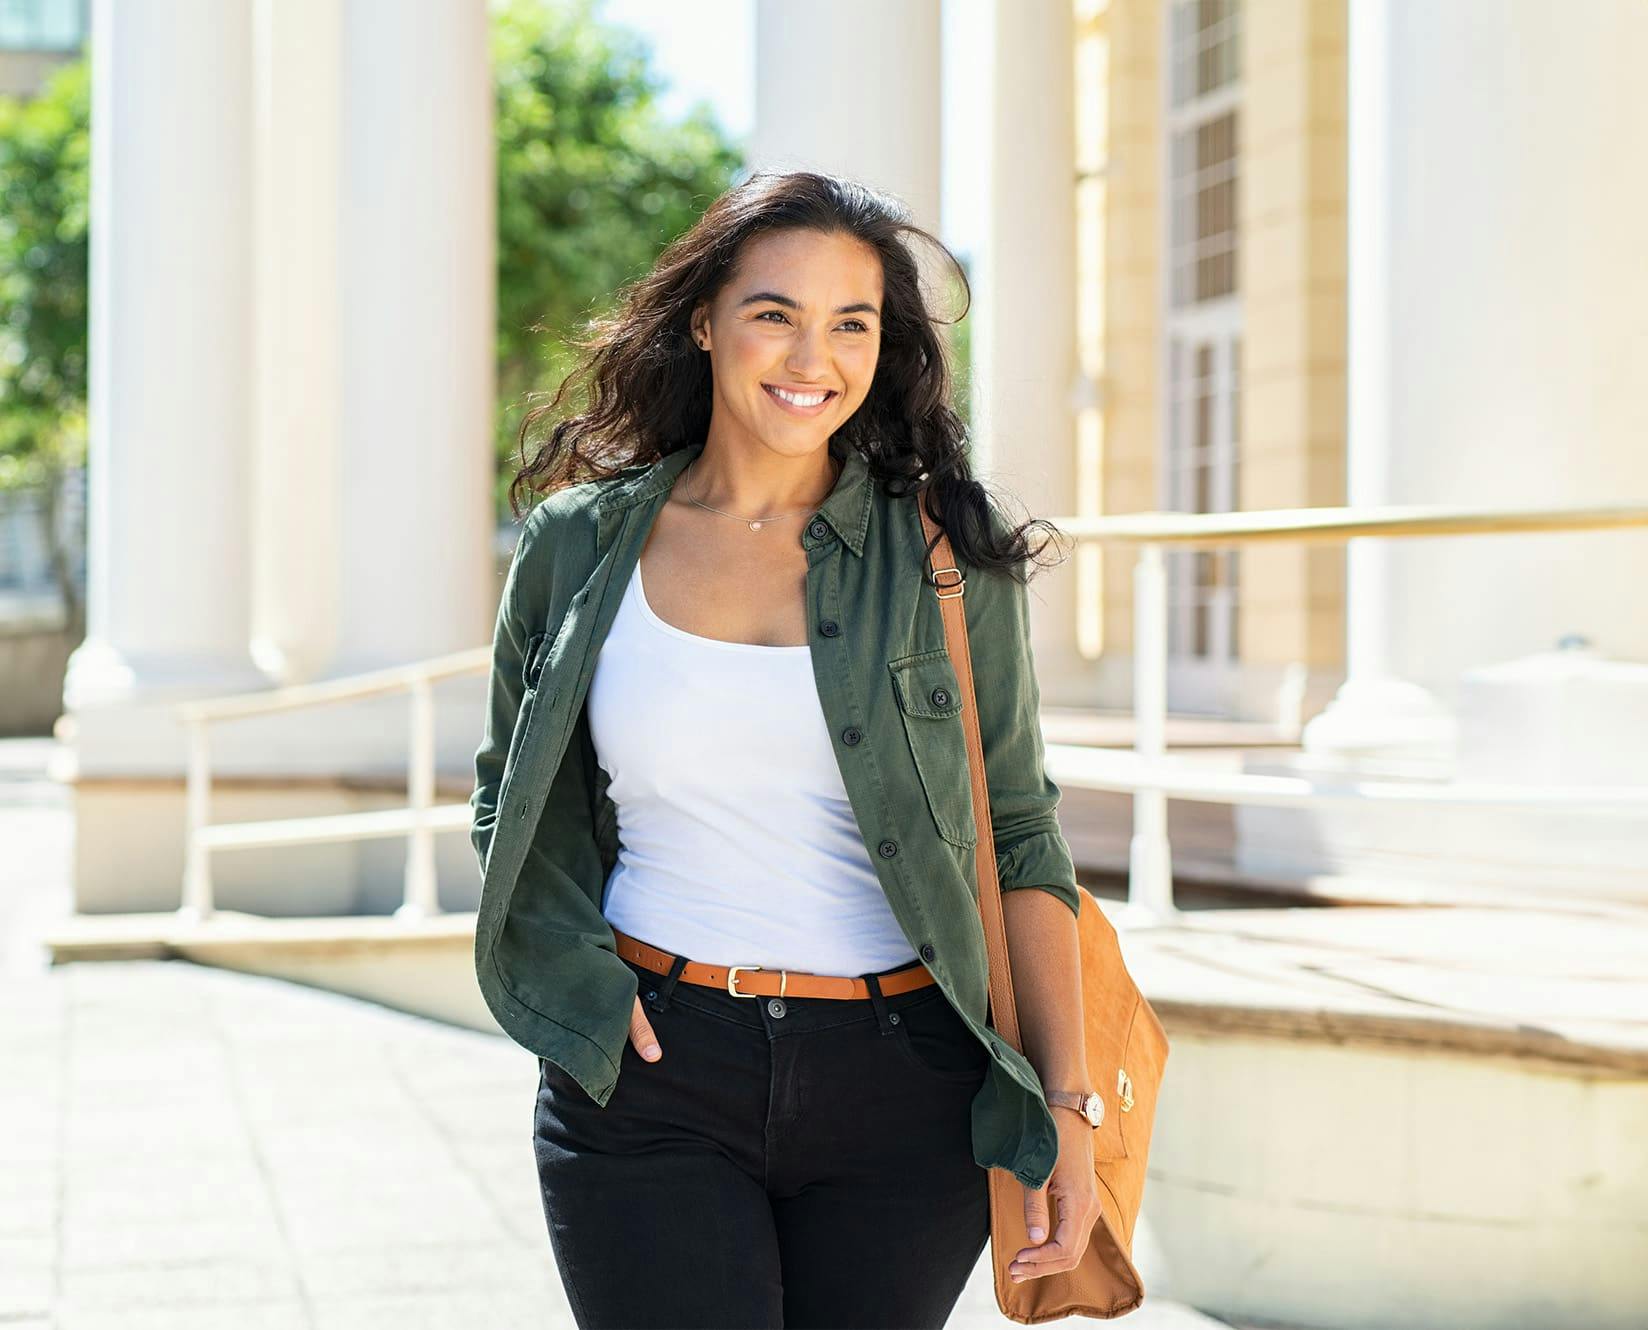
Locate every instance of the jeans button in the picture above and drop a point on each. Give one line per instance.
(775, 1007)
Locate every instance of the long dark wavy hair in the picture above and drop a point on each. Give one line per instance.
(649, 384)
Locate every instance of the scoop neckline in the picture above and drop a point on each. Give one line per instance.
(651, 617)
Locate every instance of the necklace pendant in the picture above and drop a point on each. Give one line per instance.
(755, 526)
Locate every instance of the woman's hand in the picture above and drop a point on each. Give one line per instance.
(641, 1035)
(1074, 1190)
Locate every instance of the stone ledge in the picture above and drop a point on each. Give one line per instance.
(1565, 988)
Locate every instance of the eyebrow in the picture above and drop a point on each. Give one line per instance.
(863, 306)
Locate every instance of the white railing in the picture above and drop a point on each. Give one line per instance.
(1152, 779)
(1145, 772)
(419, 821)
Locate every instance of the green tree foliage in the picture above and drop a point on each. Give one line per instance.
(593, 182)
(44, 172)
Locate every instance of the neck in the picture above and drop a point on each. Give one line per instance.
(761, 484)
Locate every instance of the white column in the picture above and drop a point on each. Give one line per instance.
(298, 432)
(418, 239)
(170, 315)
(1027, 376)
(852, 88)
(1498, 324)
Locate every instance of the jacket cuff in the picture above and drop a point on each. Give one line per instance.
(1042, 861)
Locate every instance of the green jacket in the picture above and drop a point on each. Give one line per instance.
(545, 831)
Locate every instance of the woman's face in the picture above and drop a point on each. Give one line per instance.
(802, 313)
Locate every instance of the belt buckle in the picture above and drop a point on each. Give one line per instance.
(732, 978)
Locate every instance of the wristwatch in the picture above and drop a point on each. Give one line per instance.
(1086, 1102)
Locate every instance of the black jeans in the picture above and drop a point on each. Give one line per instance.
(787, 1162)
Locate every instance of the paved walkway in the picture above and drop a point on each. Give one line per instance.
(183, 1147)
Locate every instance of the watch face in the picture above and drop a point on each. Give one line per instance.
(1093, 1107)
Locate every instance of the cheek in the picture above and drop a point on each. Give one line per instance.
(747, 358)
(859, 370)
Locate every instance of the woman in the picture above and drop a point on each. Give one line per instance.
(723, 810)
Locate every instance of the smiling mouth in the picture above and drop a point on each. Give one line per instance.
(829, 395)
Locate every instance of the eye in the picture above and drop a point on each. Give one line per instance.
(856, 325)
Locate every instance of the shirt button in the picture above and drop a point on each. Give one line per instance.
(888, 848)
(851, 736)
(829, 628)
(927, 952)
(818, 530)
(941, 697)
(775, 1007)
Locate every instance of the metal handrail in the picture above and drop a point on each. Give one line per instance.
(1153, 780)
(419, 821)
(1334, 525)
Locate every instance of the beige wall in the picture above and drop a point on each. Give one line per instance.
(1120, 225)
(1292, 287)
(1292, 280)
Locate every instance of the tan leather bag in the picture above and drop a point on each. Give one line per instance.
(1126, 1051)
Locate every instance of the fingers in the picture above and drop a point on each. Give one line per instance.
(1064, 1249)
(641, 1035)
(1035, 1213)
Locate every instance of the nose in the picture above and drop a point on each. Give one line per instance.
(809, 353)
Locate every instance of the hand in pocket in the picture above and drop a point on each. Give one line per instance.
(642, 1036)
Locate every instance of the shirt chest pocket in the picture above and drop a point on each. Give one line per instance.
(929, 701)
(543, 662)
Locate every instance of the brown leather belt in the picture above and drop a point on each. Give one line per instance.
(755, 981)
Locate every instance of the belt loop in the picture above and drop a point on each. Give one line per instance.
(666, 985)
(879, 1002)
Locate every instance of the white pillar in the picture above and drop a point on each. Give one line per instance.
(1498, 324)
(298, 431)
(418, 236)
(1027, 377)
(170, 314)
(375, 377)
(851, 87)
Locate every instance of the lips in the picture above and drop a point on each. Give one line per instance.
(794, 408)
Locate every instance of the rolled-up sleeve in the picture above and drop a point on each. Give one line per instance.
(1030, 849)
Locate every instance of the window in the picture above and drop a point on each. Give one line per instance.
(42, 25)
(1203, 337)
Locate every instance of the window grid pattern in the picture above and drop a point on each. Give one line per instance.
(1204, 328)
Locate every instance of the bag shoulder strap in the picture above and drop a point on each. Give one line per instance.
(949, 590)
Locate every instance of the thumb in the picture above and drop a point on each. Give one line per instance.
(1035, 1213)
(641, 1035)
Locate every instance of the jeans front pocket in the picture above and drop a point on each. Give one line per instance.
(933, 1036)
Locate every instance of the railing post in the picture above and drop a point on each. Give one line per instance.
(421, 899)
(1150, 861)
(197, 906)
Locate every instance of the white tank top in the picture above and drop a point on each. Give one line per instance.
(737, 843)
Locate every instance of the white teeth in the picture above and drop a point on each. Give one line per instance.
(810, 400)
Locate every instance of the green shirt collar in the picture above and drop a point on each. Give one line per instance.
(846, 508)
